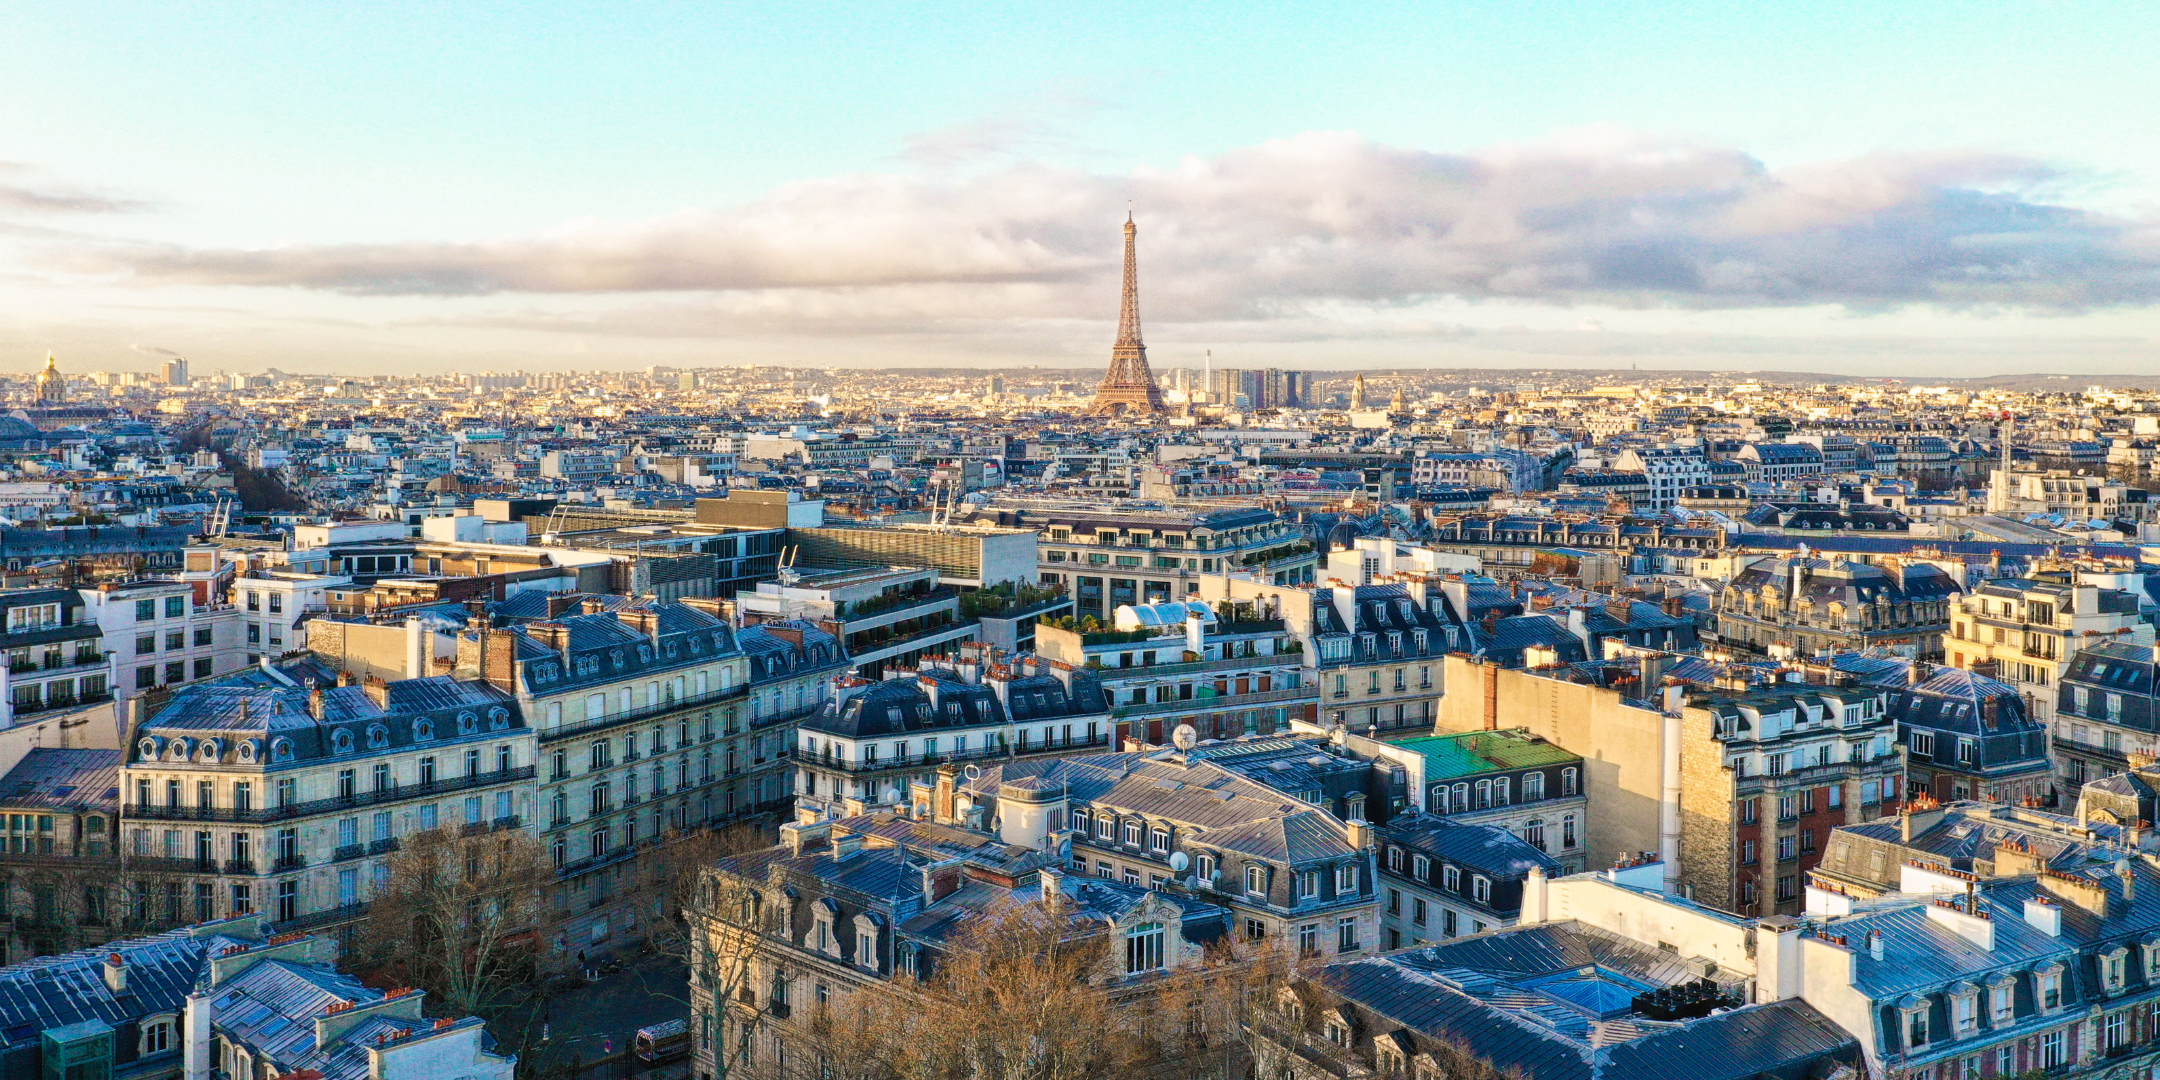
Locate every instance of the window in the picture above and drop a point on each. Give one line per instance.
(1132, 834)
(1451, 878)
(2051, 1049)
(1568, 781)
(1308, 884)
(1420, 867)
(1533, 786)
(1481, 888)
(1255, 879)
(1346, 878)
(1346, 934)
(1308, 939)
(1533, 833)
(1159, 839)
(1144, 948)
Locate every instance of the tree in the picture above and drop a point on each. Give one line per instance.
(1018, 997)
(459, 914)
(674, 874)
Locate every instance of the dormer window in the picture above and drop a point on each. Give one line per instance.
(498, 718)
(1964, 1009)
(342, 742)
(423, 730)
(378, 736)
(2114, 966)
(2047, 986)
(1915, 1011)
(1346, 878)
(2002, 1000)
(1256, 880)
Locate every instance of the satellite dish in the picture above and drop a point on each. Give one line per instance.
(1178, 862)
(1185, 738)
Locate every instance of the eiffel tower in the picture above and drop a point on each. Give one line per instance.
(1128, 388)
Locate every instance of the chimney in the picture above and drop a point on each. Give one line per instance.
(1358, 833)
(846, 846)
(558, 603)
(315, 706)
(1053, 887)
(115, 974)
(417, 650)
(2128, 875)
(1874, 944)
(2043, 916)
(377, 690)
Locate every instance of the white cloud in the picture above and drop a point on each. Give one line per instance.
(1285, 232)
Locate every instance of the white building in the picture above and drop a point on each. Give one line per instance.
(161, 633)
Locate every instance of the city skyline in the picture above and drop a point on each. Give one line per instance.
(1927, 194)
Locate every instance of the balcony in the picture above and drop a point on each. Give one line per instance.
(287, 812)
(931, 761)
(1217, 703)
(51, 705)
(347, 851)
(284, 863)
(2095, 750)
(386, 844)
(594, 862)
(665, 708)
(343, 914)
(240, 866)
(510, 821)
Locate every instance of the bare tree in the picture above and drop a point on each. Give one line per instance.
(675, 871)
(460, 915)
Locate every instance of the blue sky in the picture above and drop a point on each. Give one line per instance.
(538, 185)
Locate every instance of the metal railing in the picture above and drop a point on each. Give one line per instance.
(288, 811)
(1218, 703)
(344, 913)
(929, 761)
(665, 708)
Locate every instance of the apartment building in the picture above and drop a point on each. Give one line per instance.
(2106, 714)
(1666, 470)
(885, 617)
(1300, 874)
(1180, 662)
(1374, 650)
(160, 633)
(1442, 878)
(281, 789)
(1518, 782)
(275, 607)
(2024, 631)
(1801, 606)
(785, 933)
(874, 742)
(62, 886)
(636, 705)
(1734, 788)
(1110, 557)
(56, 659)
(792, 667)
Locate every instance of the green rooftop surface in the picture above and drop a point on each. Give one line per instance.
(1470, 752)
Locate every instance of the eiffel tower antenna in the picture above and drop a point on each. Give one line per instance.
(1128, 387)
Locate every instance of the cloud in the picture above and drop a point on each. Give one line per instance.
(1281, 230)
(21, 191)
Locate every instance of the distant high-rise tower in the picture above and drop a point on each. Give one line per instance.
(176, 373)
(1357, 391)
(1128, 387)
(51, 385)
